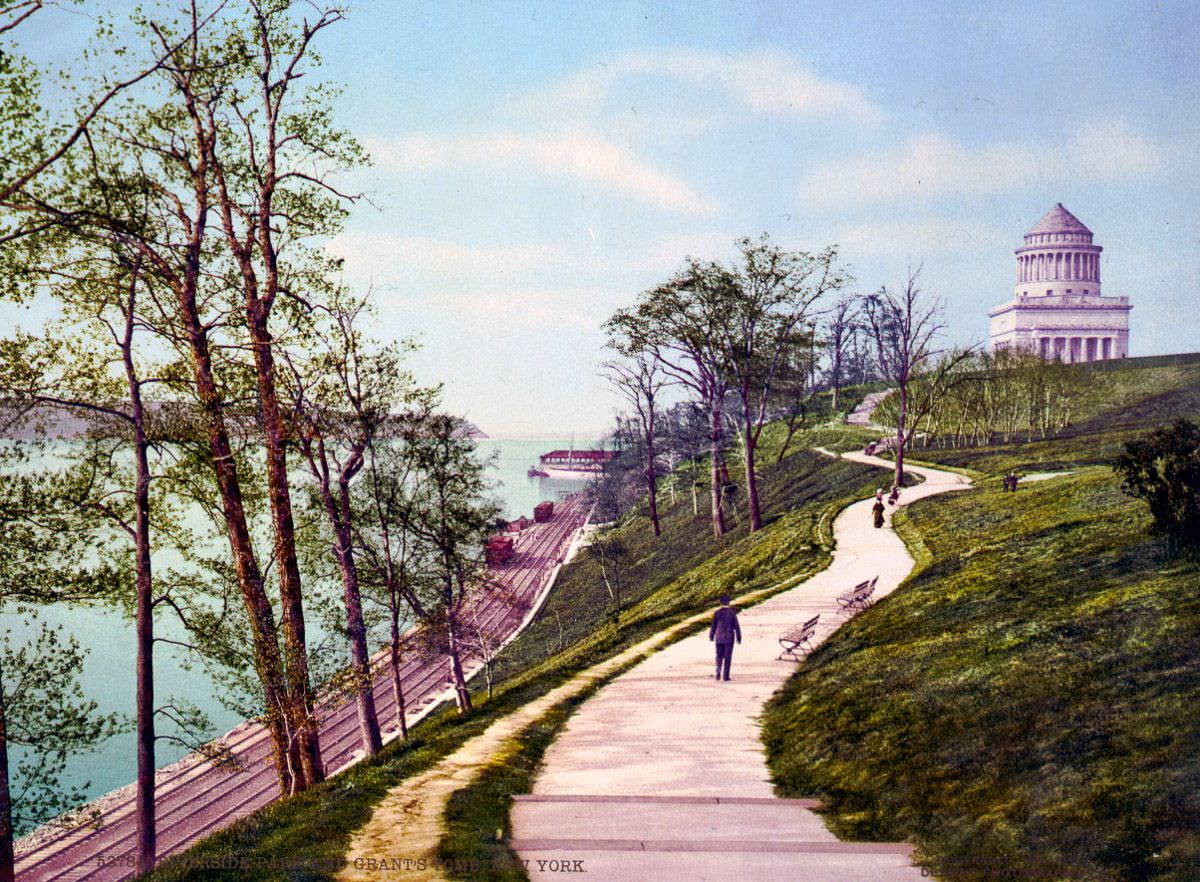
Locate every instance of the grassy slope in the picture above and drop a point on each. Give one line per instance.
(1025, 704)
(1117, 404)
(667, 580)
(684, 570)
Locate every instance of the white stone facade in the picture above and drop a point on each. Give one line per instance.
(1057, 309)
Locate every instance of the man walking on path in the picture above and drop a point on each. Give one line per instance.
(724, 629)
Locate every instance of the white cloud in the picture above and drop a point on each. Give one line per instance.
(408, 253)
(934, 165)
(578, 155)
(928, 165)
(766, 81)
(492, 308)
(1111, 150)
(917, 238)
(666, 255)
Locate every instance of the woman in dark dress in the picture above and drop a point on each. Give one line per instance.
(878, 510)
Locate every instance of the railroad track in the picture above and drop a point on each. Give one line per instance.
(193, 798)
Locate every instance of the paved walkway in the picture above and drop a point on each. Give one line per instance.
(661, 775)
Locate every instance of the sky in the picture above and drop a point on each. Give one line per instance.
(537, 165)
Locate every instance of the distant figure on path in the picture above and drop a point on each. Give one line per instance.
(894, 496)
(724, 630)
(877, 508)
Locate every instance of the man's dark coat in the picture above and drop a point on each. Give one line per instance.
(725, 628)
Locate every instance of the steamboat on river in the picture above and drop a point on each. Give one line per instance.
(572, 464)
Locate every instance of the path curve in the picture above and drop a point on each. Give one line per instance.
(661, 775)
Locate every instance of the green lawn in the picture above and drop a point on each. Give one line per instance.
(1025, 705)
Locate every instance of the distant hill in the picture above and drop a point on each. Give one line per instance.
(18, 423)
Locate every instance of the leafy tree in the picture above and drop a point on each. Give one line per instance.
(452, 517)
(1164, 471)
(41, 705)
(91, 365)
(215, 177)
(44, 712)
(271, 149)
(342, 393)
(393, 563)
(772, 296)
(681, 323)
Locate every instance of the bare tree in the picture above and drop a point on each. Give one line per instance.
(903, 328)
(840, 325)
(609, 551)
(639, 378)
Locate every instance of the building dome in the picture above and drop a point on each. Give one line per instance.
(1058, 310)
(1059, 220)
(1058, 258)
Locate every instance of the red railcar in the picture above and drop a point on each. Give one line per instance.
(499, 550)
(543, 512)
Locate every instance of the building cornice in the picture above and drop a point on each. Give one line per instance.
(1064, 302)
(1060, 246)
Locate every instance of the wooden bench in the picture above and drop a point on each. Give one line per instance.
(858, 597)
(795, 641)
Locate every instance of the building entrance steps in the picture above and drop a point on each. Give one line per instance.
(661, 774)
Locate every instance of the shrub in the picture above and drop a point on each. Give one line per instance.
(1164, 470)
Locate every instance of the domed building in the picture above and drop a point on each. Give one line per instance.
(1057, 310)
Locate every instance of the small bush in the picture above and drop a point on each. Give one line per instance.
(1164, 470)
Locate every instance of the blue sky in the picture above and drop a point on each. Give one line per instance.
(537, 165)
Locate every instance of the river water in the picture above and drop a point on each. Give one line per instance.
(108, 676)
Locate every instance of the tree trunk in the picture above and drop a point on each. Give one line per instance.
(651, 478)
(147, 850)
(462, 695)
(901, 418)
(7, 860)
(714, 448)
(751, 482)
(356, 629)
(394, 664)
(695, 495)
(267, 661)
(144, 625)
(300, 704)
